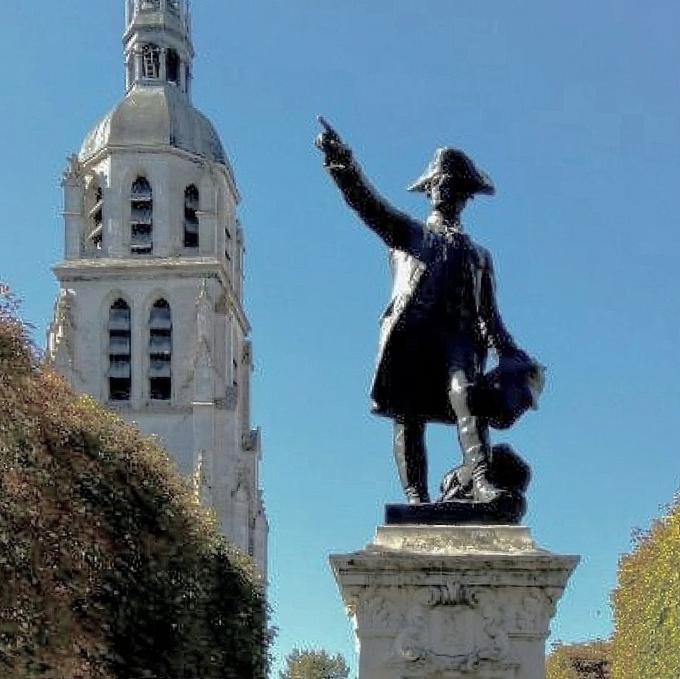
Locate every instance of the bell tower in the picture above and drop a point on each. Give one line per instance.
(150, 317)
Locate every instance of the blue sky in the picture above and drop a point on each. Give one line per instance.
(573, 108)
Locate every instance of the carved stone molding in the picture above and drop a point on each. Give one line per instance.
(377, 615)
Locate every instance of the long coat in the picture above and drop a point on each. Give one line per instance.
(411, 379)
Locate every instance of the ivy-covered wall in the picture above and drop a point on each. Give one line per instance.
(109, 566)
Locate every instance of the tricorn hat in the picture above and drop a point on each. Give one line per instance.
(505, 393)
(456, 163)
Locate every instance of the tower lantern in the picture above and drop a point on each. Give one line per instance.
(157, 41)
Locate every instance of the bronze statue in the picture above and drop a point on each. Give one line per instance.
(436, 332)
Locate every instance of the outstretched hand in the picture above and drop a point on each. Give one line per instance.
(338, 154)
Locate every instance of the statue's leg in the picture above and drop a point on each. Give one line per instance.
(473, 436)
(411, 459)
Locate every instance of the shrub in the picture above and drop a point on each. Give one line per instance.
(109, 567)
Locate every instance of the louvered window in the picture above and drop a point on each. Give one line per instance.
(191, 217)
(141, 217)
(120, 378)
(96, 219)
(160, 351)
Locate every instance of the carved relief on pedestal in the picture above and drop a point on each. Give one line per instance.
(373, 612)
(451, 628)
(527, 611)
(378, 615)
(533, 613)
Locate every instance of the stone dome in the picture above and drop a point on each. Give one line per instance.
(156, 116)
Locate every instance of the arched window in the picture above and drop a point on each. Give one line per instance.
(120, 379)
(160, 351)
(173, 6)
(141, 217)
(191, 217)
(151, 62)
(172, 66)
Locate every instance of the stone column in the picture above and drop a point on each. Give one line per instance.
(452, 602)
(182, 76)
(139, 68)
(163, 62)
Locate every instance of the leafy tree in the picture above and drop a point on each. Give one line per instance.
(590, 660)
(314, 664)
(646, 641)
(109, 566)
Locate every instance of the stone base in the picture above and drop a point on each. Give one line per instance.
(452, 602)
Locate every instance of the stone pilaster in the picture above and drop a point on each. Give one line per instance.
(452, 602)
(73, 183)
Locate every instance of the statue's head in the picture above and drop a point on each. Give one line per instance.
(451, 179)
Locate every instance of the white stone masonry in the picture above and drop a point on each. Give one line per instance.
(452, 602)
(150, 318)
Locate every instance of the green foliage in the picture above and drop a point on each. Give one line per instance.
(646, 613)
(109, 566)
(314, 664)
(589, 660)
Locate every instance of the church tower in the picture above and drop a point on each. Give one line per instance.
(150, 318)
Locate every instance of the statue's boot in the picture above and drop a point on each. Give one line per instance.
(473, 437)
(410, 456)
(482, 489)
(456, 485)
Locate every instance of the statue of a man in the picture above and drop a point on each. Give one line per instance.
(441, 320)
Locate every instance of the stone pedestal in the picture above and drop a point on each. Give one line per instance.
(452, 602)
